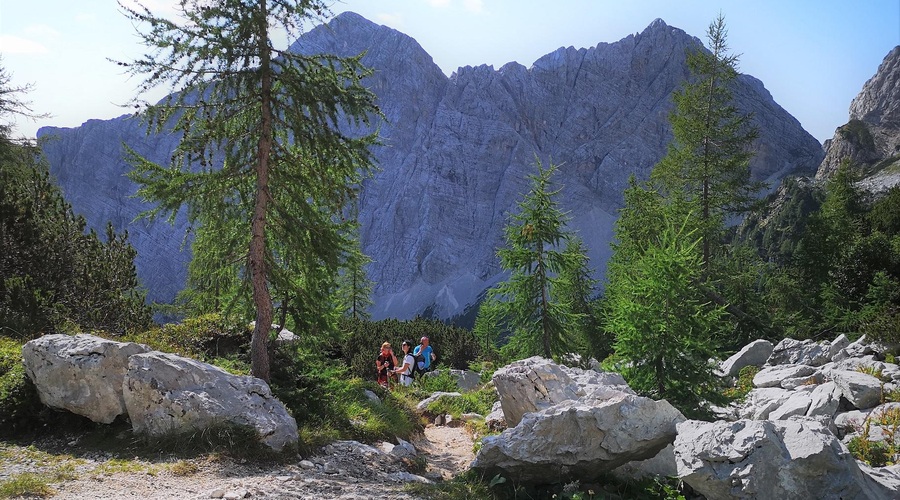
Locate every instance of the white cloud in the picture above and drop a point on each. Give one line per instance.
(85, 17)
(11, 44)
(473, 5)
(439, 3)
(41, 31)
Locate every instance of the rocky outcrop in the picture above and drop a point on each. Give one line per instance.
(165, 393)
(455, 157)
(159, 393)
(82, 374)
(538, 383)
(567, 423)
(766, 459)
(871, 139)
(580, 439)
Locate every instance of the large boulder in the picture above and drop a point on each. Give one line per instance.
(538, 383)
(800, 352)
(82, 374)
(165, 393)
(753, 354)
(580, 439)
(860, 389)
(767, 460)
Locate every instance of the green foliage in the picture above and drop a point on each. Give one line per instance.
(705, 174)
(743, 385)
(528, 299)
(25, 484)
(479, 402)
(52, 273)
(857, 133)
(884, 216)
(20, 406)
(576, 288)
(208, 338)
(360, 340)
(665, 327)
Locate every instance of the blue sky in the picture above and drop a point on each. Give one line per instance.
(813, 55)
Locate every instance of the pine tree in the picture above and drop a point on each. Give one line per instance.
(53, 275)
(263, 146)
(533, 257)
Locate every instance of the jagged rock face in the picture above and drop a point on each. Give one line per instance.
(456, 155)
(877, 108)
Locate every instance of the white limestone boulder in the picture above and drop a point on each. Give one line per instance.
(82, 374)
(167, 393)
(773, 376)
(860, 389)
(767, 459)
(824, 400)
(580, 439)
(753, 354)
(800, 352)
(536, 383)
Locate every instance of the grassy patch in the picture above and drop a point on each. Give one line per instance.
(743, 385)
(25, 485)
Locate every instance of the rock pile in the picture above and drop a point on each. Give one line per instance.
(787, 439)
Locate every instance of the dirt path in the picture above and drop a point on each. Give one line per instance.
(344, 470)
(448, 450)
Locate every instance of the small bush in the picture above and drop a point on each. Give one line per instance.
(206, 338)
(743, 385)
(20, 407)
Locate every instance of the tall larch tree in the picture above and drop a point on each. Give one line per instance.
(264, 144)
(706, 171)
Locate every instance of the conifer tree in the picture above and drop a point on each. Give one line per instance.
(706, 171)
(576, 290)
(534, 258)
(665, 326)
(263, 143)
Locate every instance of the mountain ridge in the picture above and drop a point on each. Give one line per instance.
(456, 154)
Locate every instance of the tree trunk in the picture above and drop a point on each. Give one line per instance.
(259, 352)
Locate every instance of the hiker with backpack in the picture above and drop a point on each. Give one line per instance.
(384, 365)
(424, 354)
(406, 371)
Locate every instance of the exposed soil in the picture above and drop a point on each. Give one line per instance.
(343, 470)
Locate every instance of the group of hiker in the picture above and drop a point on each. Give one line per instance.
(415, 361)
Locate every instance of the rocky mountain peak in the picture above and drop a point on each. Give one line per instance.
(879, 101)
(456, 154)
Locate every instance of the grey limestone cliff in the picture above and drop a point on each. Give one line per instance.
(456, 154)
(871, 139)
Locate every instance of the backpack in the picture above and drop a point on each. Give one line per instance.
(418, 366)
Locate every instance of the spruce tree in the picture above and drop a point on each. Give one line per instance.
(264, 146)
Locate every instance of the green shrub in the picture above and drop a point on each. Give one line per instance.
(20, 406)
(743, 385)
(206, 338)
